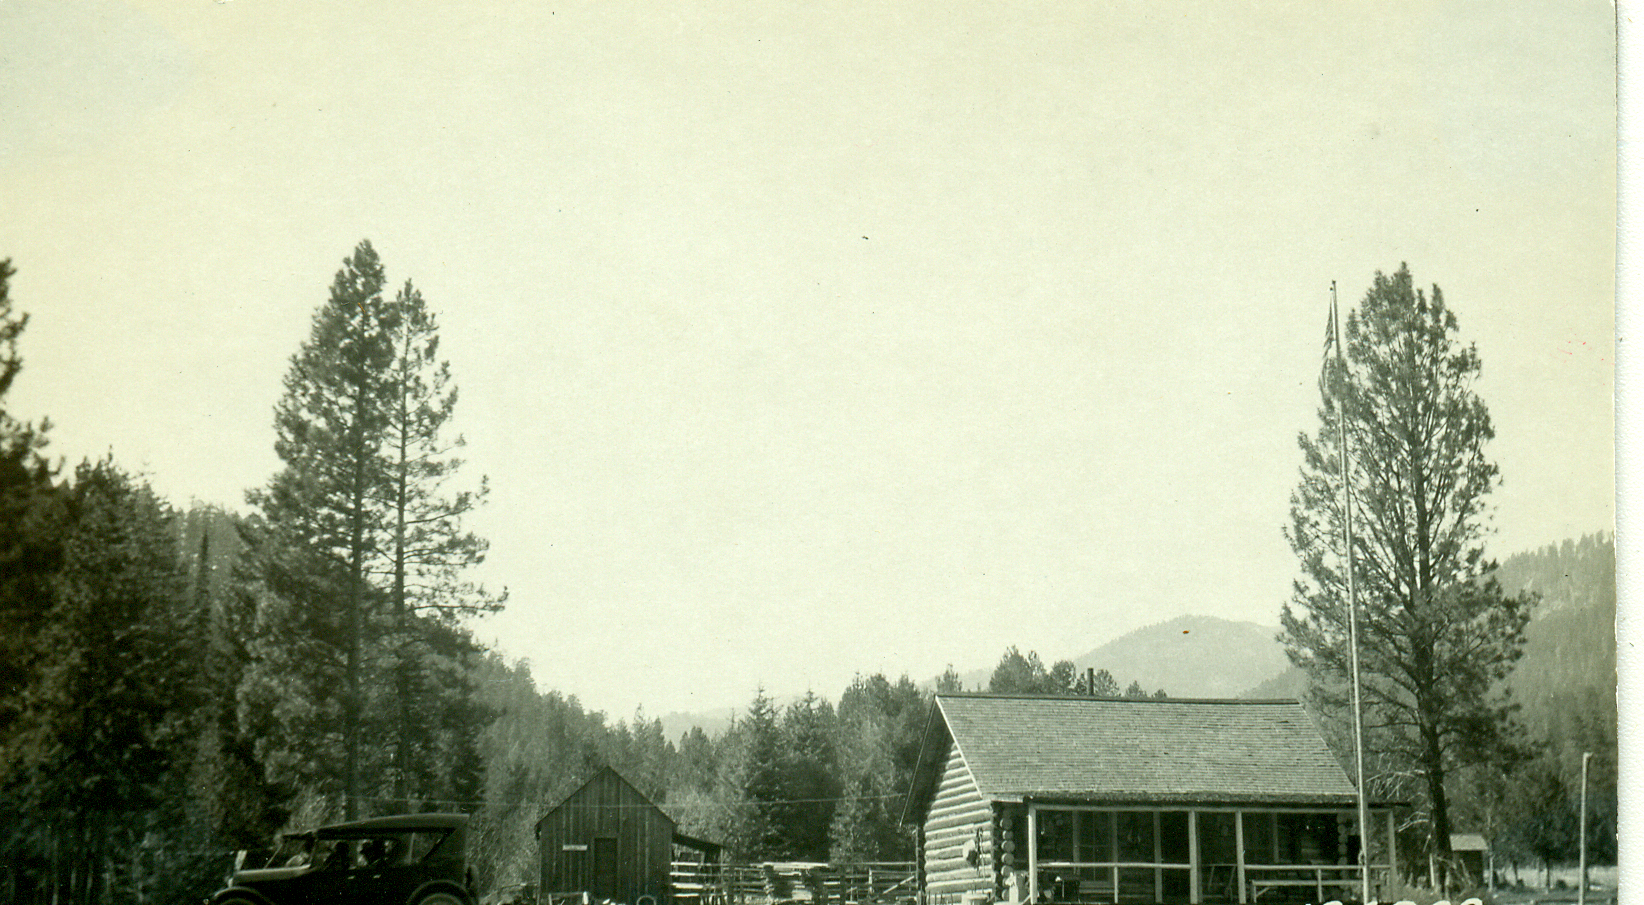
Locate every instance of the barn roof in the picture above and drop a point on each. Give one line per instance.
(613, 781)
(1132, 750)
(1468, 842)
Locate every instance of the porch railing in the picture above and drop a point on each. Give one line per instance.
(697, 883)
(1272, 880)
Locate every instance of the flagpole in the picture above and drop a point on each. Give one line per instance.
(1352, 612)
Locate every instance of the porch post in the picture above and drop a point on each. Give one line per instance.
(1392, 849)
(1113, 843)
(1158, 858)
(1193, 886)
(1033, 851)
(1238, 849)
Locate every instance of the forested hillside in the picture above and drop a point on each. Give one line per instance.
(1569, 665)
(1566, 683)
(1565, 686)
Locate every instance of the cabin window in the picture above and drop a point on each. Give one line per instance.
(1308, 838)
(1095, 836)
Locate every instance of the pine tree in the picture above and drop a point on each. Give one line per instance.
(1017, 673)
(322, 525)
(31, 516)
(429, 549)
(756, 779)
(881, 728)
(810, 768)
(33, 520)
(242, 808)
(110, 714)
(359, 560)
(696, 768)
(1437, 636)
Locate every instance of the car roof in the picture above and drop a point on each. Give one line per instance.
(401, 822)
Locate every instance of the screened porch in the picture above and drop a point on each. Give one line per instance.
(1212, 855)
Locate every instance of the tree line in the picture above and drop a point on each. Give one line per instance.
(809, 780)
(1019, 673)
(177, 684)
(1565, 686)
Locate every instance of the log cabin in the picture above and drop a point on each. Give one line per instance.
(1086, 800)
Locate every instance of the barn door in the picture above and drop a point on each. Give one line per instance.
(605, 867)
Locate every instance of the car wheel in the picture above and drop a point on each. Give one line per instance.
(440, 898)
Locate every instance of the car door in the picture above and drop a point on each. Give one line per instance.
(329, 882)
(390, 874)
(376, 873)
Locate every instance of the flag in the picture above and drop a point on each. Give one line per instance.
(1329, 345)
(1330, 327)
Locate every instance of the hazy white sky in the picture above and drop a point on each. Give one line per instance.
(812, 338)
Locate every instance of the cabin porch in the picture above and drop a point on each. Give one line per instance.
(1193, 854)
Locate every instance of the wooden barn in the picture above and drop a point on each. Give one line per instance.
(610, 842)
(1086, 800)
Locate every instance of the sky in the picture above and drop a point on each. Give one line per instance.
(806, 339)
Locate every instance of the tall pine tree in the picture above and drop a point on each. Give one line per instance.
(429, 550)
(358, 557)
(1437, 636)
(881, 727)
(810, 768)
(31, 513)
(322, 526)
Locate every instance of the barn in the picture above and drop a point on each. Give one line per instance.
(1086, 800)
(608, 841)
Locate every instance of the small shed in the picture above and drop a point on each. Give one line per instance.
(606, 839)
(1472, 855)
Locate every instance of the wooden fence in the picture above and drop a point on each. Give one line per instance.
(791, 882)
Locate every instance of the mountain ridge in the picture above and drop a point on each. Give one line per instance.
(1193, 656)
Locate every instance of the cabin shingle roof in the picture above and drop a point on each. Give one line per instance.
(1143, 750)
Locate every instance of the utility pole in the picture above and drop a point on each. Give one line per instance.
(1581, 894)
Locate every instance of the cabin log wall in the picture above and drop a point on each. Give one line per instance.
(958, 817)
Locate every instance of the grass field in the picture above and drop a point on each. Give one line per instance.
(1602, 886)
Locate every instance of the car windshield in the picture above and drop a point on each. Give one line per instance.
(294, 850)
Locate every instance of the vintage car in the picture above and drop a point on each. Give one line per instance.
(412, 859)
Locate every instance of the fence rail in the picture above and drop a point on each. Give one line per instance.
(793, 882)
